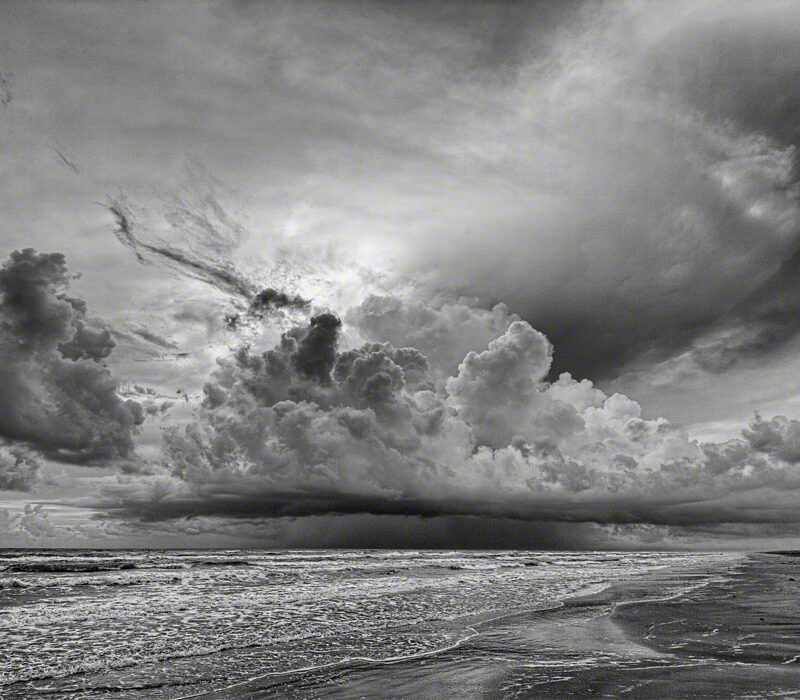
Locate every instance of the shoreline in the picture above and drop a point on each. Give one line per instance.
(483, 619)
(569, 646)
(433, 673)
(738, 636)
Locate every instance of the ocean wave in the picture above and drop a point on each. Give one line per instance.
(222, 562)
(17, 584)
(69, 567)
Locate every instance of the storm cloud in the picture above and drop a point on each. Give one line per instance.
(449, 234)
(308, 429)
(648, 192)
(56, 395)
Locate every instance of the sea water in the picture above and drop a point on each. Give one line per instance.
(165, 624)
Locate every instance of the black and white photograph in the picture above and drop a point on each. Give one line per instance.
(399, 349)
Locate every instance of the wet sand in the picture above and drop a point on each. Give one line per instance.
(737, 637)
(725, 632)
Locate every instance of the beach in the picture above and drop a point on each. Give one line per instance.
(727, 631)
(399, 624)
(312, 623)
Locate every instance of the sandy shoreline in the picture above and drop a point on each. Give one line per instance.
(718, 627)
(608, 644)
(737, 636)
(730, 631)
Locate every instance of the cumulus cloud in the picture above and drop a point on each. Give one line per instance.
(496, 391)
(443, 330)
(36, 523)
(308, 429)
(56, 395)
(7, 520)
(779, 437)
(18, 468)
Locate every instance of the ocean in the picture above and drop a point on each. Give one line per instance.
(223, 623)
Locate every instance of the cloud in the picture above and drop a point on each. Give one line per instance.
(316, 348)
(623, 176)
(18, 468)
(7, 520)
(270, 298)
(153, 338)
(637, 186)
(35, 522)
(197, 264)
(625, 184)
(306, 429)
(190, 233)
(443, 330)
(6, 89)
(778, 437)
(496, 391)
(56, 395)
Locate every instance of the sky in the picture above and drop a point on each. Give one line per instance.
(359, 274)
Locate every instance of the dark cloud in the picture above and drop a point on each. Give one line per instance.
(778, 437)
(738, 65)
(768, 317)
(760, 324)
(6, 89)
(266, 303)
(87, 343)
(56, 395)
(739, 68)
(304, 430)
(649, 188)
(316, 348)
(154, 338)
(366, 531)
(66, 161)
(269, 298)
